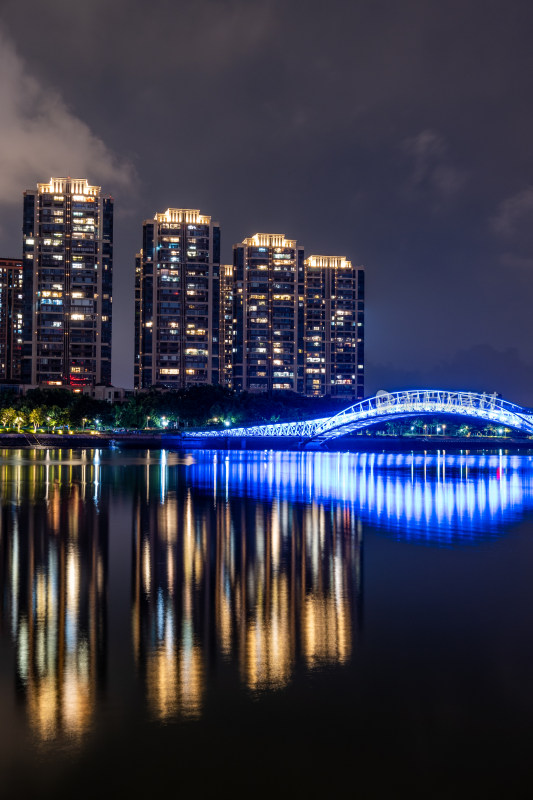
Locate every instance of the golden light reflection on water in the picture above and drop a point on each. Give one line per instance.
(263, 587)
(244, 567)
(250, 562)
(54, 560)
(168, 571)
(260, 586)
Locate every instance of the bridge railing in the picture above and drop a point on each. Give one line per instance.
(302, 429)
(418, 401)
(483, 406)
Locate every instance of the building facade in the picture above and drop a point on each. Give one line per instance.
(10, 318)
(334, 328)
(226, 325)
(177, 301)
(67, 284)
(268, 314)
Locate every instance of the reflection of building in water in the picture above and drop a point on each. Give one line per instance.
(264, 587)
(171, 547)
(287, 587)
(54, 553)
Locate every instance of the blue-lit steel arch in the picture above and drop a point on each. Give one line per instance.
(387, 406)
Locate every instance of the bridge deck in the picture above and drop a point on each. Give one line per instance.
(384, 407)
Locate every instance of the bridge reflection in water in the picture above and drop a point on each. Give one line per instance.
(436, 498)
(251, 562)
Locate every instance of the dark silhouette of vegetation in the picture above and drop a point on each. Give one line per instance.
(200, 407)
(195, 407)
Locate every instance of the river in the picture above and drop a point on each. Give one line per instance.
(267, 622)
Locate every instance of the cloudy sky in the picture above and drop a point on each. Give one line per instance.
(396, 132)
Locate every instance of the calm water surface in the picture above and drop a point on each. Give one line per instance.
(185, 624)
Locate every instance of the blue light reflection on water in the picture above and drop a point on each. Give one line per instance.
(238, 574)
(434, 498)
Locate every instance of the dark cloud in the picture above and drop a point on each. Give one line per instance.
(40, 135)
(515, 214)
(395, 133)
(433, 177)
(513, 261)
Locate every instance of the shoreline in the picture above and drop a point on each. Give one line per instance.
(160, 441)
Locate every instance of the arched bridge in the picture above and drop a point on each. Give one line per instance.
(388, 406)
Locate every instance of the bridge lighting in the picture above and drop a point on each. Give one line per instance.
(387, 406)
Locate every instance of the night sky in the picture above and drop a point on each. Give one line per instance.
(396, 132)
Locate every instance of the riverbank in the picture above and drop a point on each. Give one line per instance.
(167, 440)
(365, 444)
(73, 440)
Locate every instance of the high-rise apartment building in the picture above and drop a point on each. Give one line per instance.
(177, 301)
(10, 318)
(334, 327)
(268, 314)
(67, 284)
(226, 325)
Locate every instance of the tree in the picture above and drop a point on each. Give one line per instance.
(58, 416)
(20, 419)
(7, 417)
(130, 414)
(37, 417)
(63, 417)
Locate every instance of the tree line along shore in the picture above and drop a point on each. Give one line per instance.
(47, 410)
